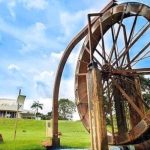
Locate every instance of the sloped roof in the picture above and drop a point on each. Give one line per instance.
(9, 104)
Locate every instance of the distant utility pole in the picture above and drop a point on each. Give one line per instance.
(20, 101)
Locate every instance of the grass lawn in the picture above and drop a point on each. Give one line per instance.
(74, 134)
(31, 133)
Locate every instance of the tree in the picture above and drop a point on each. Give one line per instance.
(145, 86)
(48, 116)
(66, 109)
(36, 105)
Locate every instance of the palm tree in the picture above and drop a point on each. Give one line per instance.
(36, 105)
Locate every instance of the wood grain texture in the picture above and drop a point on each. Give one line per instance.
(96, 111)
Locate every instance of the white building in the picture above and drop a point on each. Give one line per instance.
(8, 109)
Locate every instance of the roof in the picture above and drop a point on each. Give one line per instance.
(9, 104)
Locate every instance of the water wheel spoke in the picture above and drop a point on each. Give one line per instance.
(105, 87)
(102, 38)
(129, 81)
(144, 57)
(125, 35)
(115, 46)
(110, 96)
(117, 34)
(95, 59)
(138, 36)
(101, 55)
(138, 55)
(132, 29)
(100, 46)
(90, 37)
(125, 41)
(128, 98)
(130, 37)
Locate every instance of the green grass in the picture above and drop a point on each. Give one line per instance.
(74, 134)
(31, 133)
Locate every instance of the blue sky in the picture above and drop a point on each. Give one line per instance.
(33, 36)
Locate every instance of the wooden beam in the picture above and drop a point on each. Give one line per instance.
(129, 99)
(97, 118)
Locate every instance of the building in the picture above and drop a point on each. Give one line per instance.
(8, 109)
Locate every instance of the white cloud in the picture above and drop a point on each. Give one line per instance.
(76, 116)
(28, 4)
(47, 104)
(44, 76)
(11, 5)
(40, 26)
(35, 4)
(34, 38)
(67, 84)
(70, 22)
(43, 83)
(57, 55)
(5, 27)
(67, 89)
(13, 67)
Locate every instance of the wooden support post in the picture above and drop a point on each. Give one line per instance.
(55, 138)
(138, 102)
(97, 119)
(120, 110)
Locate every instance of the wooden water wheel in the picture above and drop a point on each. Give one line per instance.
(120, 39)
(120, 43)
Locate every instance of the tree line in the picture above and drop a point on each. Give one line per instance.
(65, 110)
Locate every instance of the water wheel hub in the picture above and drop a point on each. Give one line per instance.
(106, 71)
